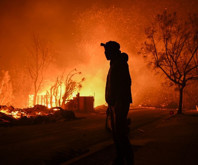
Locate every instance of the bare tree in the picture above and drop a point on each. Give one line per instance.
(56, 91)
(171, 46)
(40, 56)
(62, 89)
(71, 85)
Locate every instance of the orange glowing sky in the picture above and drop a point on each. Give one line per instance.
(75, 29)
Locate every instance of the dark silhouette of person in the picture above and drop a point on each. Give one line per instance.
(118, 97)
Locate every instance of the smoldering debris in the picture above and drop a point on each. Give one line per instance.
(38, 114)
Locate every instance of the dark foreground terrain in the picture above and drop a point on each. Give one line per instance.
(169, 141)
(157, 137)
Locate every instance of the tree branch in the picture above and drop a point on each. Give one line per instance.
(192, 78)
(194, 52)
(169, 76)
(191, 69)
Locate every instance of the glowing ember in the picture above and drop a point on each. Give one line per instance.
(14, 114)
(49, 106)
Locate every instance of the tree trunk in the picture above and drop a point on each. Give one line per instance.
(35, 99)
(63, 101)
(51, 98)
(180, 100)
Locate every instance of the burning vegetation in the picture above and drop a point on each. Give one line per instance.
(37, 69)
(44, 108)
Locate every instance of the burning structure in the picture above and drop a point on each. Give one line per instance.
(77, 103)
(43, 114)
(80, 104)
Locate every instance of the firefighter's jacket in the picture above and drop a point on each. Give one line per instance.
(118, 85)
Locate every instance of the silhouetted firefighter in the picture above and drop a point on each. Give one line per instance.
(118, 97)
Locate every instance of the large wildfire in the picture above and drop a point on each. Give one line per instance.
(74, 33)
